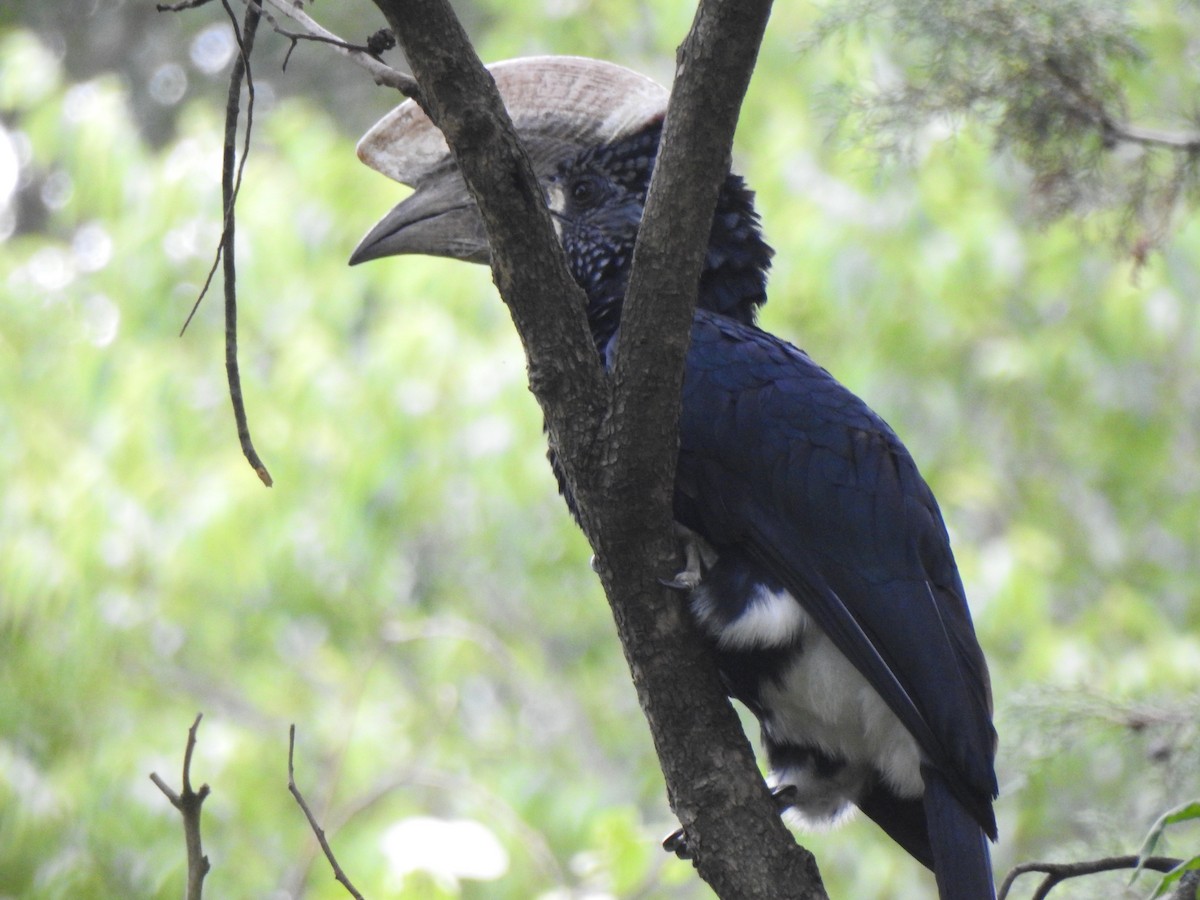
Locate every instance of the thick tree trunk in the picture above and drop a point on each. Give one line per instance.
(617, 437)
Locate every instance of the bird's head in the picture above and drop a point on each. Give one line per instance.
(559, 105)
(592, 130)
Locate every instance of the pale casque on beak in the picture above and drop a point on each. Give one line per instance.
(559, 106)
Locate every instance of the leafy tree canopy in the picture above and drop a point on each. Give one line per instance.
(411, 592)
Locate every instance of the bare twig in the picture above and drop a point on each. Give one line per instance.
(1056, 873)
(365, 56)
(229, 191)
(188, 802)
(181, 6)
(227, 207)
(231, 186)
(338, 874)
(376, 44)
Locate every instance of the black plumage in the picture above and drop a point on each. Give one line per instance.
(834, 605)
(611, 181)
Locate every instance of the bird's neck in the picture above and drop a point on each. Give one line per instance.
(733, 278)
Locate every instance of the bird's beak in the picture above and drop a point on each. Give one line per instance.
(558, 104)
(439, 219)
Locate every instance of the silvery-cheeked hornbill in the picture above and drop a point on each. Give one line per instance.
(828, 589)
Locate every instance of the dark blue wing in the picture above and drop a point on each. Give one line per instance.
(780, 460)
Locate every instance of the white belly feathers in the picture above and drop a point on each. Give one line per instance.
(820, 701)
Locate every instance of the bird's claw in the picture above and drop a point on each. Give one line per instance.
(697, 556)
(785, 797)
(676, 842)
(683, 581)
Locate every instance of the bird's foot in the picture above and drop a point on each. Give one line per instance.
(685, 580)
(689, 576)
(785, 797)
(698, 556)
(676, 842)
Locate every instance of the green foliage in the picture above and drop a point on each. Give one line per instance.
(1093, 96)
(411, 593)
(1187, 813)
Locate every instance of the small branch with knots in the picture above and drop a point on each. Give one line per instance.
(188, 802)
(364, 55)
(367, 55)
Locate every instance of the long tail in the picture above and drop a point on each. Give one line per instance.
(962, 861)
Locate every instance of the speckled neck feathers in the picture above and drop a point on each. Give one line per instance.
(598, 198)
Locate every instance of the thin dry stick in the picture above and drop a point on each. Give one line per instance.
(181, 6)
(338, 874)
(237, 186)
(188, 802)
(229, 197)
(230, 188)
(366, 57)
(1056, 873)
(376, 44)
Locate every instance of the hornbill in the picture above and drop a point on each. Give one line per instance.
(827, 587)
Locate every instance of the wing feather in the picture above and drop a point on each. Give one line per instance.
(780, 459)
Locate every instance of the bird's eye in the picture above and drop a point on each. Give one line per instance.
(585, 192)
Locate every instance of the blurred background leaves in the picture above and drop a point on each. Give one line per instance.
(411, 592)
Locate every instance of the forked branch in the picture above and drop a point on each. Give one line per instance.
(189, 802)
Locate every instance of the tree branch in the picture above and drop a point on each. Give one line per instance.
(189, 802)
(231, 185)
(384, 75)
(734, 815)
(743, 848)
(229, 191)
(338, 874)
(1056, 873)
(1111, 128)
